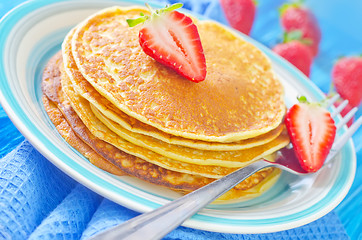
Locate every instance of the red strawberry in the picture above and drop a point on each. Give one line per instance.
(171, 38)
(296, 52)
(240, 14)
(294, 16)
(347, 79)
(312, 131)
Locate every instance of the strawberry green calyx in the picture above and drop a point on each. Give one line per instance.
(154, 13)
(322, 103)
(296, 35)
(283, 8)
(302, 99)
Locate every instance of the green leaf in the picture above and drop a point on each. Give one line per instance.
(302, 99)
(296, 35)
(154, 13)
(306, 41)
(283, 8)
(172, 7)
(293, 35)
(136, 21)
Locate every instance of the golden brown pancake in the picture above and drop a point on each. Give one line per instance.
(101, 131)
(184, 163)
(127, 163)
(68, 134)
(238, 158)
(74, 102)
(50, 88)
(239, 99)
(86, 90)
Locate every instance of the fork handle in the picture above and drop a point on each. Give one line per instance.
(159, 222)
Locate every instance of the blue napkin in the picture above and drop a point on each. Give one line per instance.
(38, 201)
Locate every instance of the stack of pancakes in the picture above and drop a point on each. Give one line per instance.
(129, 114)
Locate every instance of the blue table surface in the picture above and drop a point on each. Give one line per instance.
(340, 22)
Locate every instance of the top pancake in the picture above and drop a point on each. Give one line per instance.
(239, 99)
(86, 90)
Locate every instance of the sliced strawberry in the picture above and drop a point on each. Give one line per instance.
(312, 131)
(171, 38)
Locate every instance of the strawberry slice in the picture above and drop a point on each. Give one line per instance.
(171, 38)
(312, 131)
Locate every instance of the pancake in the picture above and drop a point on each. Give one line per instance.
(103, 153)
(50, 85)
(101, 131)
(239, 99)
(200, 157)
(68, 134)
(86, 90)
(228, 159)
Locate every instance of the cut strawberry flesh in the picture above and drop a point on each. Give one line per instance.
(312, 132)
(173, 40)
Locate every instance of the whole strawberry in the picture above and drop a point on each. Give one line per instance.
(171, 38)
(312, 131)
(294, 16)
(296, 52)
(239, 13)
(347, 79)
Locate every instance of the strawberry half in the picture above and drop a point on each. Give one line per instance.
(171, 38)
(312, 131)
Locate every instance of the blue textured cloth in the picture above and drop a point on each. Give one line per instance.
(38, 201)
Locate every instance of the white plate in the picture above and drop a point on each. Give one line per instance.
(33, 32)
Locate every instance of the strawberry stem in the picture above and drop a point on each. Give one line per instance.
(172, 7)
(136, 21)
(322, 103)
(302, 99)
(157, 12)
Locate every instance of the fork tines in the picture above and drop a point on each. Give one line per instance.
(341, 140)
